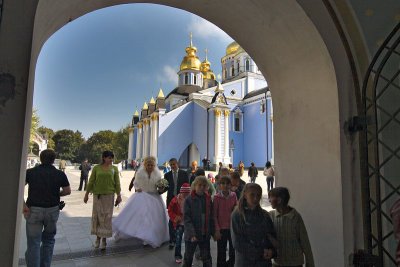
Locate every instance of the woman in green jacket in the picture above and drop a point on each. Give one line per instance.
(103, 183)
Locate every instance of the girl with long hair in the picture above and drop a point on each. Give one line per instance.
(253, 233)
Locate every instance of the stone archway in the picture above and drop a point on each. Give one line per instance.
(298, 48)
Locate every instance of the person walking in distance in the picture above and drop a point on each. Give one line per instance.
(62, 165)
(241, 168)
(192, 172)
(176, 178)
(41, 209)
(269, 173)
(85, 169)
(253, 173)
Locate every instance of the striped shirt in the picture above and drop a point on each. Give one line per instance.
(292, 238)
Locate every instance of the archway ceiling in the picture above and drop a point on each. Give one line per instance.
(376, 20)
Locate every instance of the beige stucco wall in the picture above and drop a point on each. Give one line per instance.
(310, 144)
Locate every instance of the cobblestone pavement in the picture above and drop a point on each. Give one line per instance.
(74, 244)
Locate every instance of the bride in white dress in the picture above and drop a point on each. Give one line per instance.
(144, 214)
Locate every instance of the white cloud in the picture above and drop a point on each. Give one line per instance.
(168, 75)
(203, 29)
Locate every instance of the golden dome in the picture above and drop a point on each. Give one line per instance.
(205, 68)
(233, 48)
(207, 72)
(152, 101)
(191, 61)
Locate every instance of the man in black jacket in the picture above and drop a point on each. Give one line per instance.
(85, 168)
(176, 177)
(41, 209)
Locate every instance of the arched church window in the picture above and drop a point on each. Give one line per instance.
(247, 65)
(186, 79)
(232, 71)
(238, 66)
(237, 122)
(195, 79)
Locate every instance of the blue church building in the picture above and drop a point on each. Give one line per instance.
(201, 118)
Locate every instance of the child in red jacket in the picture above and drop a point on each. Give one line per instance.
(175, 212)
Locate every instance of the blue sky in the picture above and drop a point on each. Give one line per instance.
(94, 72)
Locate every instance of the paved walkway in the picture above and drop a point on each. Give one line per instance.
(74, 244)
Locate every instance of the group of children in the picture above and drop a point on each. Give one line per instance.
(253, 235)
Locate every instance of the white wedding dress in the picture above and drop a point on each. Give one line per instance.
(144, 215)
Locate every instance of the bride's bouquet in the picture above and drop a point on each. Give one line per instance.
(162, 185)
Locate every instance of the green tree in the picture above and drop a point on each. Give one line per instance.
(67, 144)
(34, 126)
(48, 134)
(97, 143)
(120, 144)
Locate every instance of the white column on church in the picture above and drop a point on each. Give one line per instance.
(217, 114)
(151, 131)
(146, 138)
(153, 135)
(226, 141)
(139, 142)
(130, 144)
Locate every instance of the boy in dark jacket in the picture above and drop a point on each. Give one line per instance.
(198, 223)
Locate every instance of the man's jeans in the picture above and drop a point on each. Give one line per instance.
(41, 227)
(83, 180)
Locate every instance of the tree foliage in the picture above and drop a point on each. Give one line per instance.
(106, 140)
(67, 144)
(72, 146)
(98, 143)
(34, 124)
(48, 134)
(120, 144)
